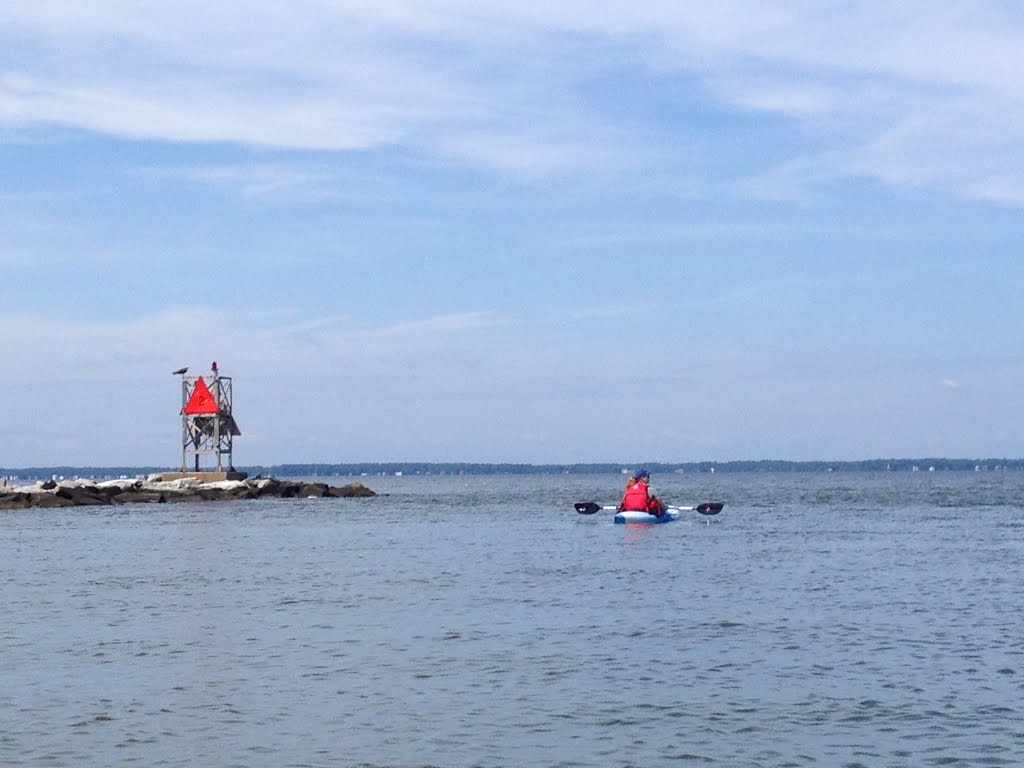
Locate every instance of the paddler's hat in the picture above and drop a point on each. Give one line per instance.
(642, 474)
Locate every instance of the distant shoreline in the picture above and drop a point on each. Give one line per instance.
(362, 469)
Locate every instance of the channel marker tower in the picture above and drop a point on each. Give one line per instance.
(207, 425)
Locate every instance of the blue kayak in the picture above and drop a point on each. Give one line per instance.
(643, 517)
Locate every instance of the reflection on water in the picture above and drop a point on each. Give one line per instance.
(832, 620)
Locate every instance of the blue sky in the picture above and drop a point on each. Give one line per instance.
(482, 231)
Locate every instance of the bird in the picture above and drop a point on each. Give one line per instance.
(180, 371)
(213, 366)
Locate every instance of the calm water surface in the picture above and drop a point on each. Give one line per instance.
(821, 620)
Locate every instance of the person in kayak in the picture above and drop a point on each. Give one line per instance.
(638, 496)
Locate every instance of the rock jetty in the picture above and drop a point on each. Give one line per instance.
(80, 492)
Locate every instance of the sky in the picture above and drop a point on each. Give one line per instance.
(467, 230)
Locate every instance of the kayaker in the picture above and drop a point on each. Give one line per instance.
(638, 496)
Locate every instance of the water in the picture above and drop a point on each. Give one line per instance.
(820, 620)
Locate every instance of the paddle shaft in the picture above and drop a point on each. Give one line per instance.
(707, 508)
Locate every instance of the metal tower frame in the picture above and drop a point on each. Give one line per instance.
(207, 426)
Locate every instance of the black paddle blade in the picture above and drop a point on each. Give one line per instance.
(711, 508)
(587, 507)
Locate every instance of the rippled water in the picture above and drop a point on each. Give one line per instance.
(820, 620)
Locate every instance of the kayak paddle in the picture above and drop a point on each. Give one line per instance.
(707, 508)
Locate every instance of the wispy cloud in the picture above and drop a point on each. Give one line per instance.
(509, 87)
(255, 181)
(271, 342)
(612, 311)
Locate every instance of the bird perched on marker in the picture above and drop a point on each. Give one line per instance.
(180, 371)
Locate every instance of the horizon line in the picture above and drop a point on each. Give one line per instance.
(931, 462)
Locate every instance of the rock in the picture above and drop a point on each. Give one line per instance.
(282, 489)
(223, 491)
(351, 490)
(81, 492)
(110, 491)
(121, 485)
(15, 501)
(86, 495)
(128, 497)
(50, 500)
(181, 485)
(314, 490)
(266, 485)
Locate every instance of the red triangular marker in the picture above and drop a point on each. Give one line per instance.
(201, 400)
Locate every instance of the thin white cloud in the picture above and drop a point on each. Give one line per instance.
(271, 342)
(911, 95)
(613, 311)
(259, 181)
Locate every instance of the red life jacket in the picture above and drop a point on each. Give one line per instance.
(635, 497)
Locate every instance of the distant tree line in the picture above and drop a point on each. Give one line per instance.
(468, 468)
(480, 468)
(96, 473)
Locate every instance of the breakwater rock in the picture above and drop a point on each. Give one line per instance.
(79, 492)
